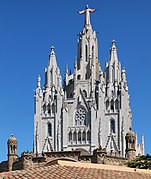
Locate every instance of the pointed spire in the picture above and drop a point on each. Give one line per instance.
(136, 140)
(123, 75)
(66, 75)
(113, 44)
(52, 50)
(66, 68)
(75, 63)
(142, 139)
(143, 146)
(113, 52)
(52, 57)
(39, 82)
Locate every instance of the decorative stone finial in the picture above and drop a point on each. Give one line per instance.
(123, 75)
(52, 50)
(113, 40)
(113, 44)
(38, 81)
(52, 47)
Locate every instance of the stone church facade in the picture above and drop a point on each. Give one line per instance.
(91, 109)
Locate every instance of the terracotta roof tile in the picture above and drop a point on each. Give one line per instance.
(72, 172)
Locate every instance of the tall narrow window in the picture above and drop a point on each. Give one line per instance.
(107, 104)
(116, 104)
(86, 53)
(53, 108)
(11, 150)
(88, 136)
(112, 104)
(84, 136)
(48, 108)
(113, 125)
(79, 136)
(74, 136)
(70, 136)
(92, 52)
(50, 129)
(85, 93)
(44, 108)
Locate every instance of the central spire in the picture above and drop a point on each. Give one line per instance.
(87, 15)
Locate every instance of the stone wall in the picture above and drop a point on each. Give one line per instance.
(27, 159)
(100, 156)
(4, 166)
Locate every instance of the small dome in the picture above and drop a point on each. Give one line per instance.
(12, 139)
(130, 132)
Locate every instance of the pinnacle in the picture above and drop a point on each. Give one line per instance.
(113, 41)
(52, 47)
(113, 44)
(52, 50)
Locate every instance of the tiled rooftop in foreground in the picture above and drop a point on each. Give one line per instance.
(77, 170)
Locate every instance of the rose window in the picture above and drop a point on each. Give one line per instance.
(80, 116)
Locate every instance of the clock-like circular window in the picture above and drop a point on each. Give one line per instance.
(80, 116)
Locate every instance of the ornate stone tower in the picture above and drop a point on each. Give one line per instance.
(92, 109)
(48, 104)
(130, 144)
(12, 151)
(81, 100)
(118, 116)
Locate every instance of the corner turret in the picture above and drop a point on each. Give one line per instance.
(130, 144)
(12, 151)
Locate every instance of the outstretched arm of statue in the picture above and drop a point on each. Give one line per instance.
(81, 12)
(92, 10)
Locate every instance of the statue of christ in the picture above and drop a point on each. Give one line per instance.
(87, 14)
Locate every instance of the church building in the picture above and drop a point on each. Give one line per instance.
(87, 110)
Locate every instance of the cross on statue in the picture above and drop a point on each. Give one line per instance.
(87, 14)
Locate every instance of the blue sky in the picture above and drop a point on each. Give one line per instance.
(28, 29)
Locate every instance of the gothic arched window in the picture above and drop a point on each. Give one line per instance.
(92, 52)
(84, 136)
(80, 116)
(53, 108)
(84, 93)
(50, 129)
(79, 136)
(44, 108)
(107, 104)
(88, 136)
(79, 77)
(70, 136)
(74, 136)
(116, 104)
(11, 150)
(113, 125)
(112, 104)
(48, 108)
(86, 53)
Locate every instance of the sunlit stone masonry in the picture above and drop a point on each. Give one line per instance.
(90, 109)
